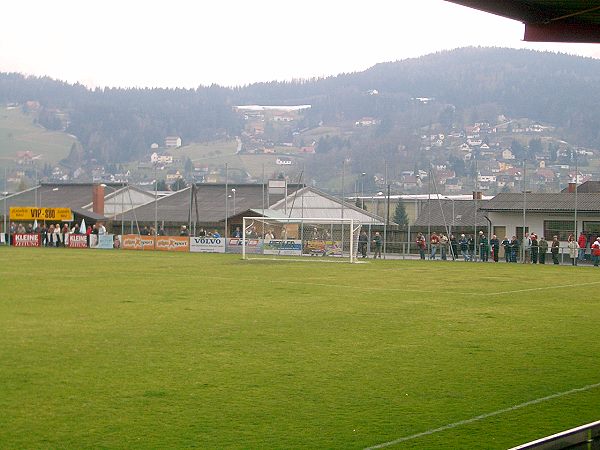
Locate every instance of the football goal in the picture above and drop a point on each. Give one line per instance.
(333, 239)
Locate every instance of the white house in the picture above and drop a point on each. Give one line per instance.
(507, 154)
(282, 161)
(155, 158)
(172, 142)
(544, 214)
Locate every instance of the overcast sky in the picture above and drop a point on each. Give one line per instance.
(235, 42)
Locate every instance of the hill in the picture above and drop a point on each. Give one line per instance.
(20, 134)
(460, 87)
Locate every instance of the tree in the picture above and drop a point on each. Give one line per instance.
(188, 166)
(400, 216)
(178, 184)
(535, 148)
(161, 185)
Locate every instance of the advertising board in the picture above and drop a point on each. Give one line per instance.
(27, 240)
(173, 243)
(136, 242)
(289, 247)
(33, 213)
(207, 245)
(77, 241)
(253, 245)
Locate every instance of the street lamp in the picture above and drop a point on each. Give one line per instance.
(362, 190)
(4, 195)
(233, 191)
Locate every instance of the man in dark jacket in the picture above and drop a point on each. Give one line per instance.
(363, 241)
(534, 248)
(543, 249)
(555, 249)
(495, 244)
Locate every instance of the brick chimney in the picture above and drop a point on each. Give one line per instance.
(477, 195)
(98, 199)
(571, 188)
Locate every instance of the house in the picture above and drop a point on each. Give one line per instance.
(485, 177)
(155, 158)
(367, 122)
(587, 187)
(202, 205)
(173, 176)
(507, 154)
(283, 118)
(89, 201)
(283, 161)
(172, 142)
(308, 149)
(546, 214)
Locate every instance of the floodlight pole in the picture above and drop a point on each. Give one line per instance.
(4, 195)
(362, 190)
(226, 205)
(122, 220)
(155, 204)
(524, 210)
(387, 222)
(576, 179)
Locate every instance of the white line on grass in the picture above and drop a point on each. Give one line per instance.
(483, 416)
(534, 289)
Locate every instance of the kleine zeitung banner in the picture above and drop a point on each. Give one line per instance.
(26, 240)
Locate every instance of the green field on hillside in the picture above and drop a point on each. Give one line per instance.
(118, 349)
(19, 133)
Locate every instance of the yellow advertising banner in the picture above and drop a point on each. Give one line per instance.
(33, 213)
(173, 243)
(163, 243)
(136, 242)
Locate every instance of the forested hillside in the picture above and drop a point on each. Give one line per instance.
(471, 84)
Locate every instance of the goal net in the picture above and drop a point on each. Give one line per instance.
(334, 239)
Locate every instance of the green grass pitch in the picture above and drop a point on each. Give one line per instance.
(117, 349)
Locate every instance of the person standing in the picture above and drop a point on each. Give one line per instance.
(65, 235)
(444, 246)
(495, 244)
(514, 249)
(526, 249)
(573, 249)
(534, 248)
(421, 245)
(434, 241)
(554, 249)
(56, 237)
(453, 247)
(596, 252)
(582, 244)
(471, 245)
(484, 250)
(507, 250)
(464, 247)
(363, 241)
(543, 249)
(377, 242)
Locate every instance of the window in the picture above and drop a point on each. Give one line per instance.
(519, 231)
(560, 228)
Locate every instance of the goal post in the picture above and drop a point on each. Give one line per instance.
(267, 237)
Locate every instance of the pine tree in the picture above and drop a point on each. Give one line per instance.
(400, 216)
